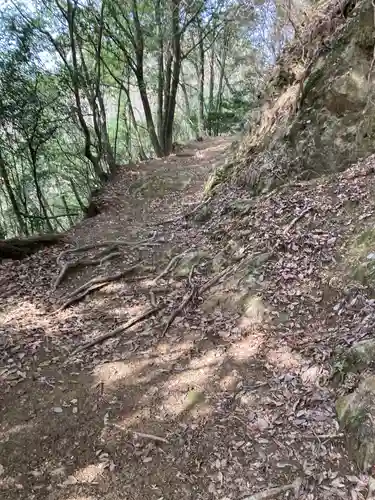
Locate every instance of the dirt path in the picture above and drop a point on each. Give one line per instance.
(215, 408)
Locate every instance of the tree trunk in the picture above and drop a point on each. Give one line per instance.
(200, 78)
(176, 69)
(211, 88)
(4, 175)
(160, 62)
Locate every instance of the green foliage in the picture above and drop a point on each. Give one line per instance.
(75, 81)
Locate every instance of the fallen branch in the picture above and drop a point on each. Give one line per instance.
(296, 219)
(273, 492)
(119, 329)
(142, 434)
(179, 309)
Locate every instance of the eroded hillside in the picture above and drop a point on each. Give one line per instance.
(183, 346)
(316, 114)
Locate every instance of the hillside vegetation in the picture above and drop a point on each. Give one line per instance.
(206, 329)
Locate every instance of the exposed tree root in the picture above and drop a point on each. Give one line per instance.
(78, 297)
(179, 309)
(82, 263)
(109, 251)
(186, 215)
(119, 329)
(171, 265)
(109, 243)
(214, 280)
(94, 284)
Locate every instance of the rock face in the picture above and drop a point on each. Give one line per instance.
(317, 115)
(356, 416)
(361, 356)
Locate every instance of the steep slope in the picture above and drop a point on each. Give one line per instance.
(317, 113)
(181, 348)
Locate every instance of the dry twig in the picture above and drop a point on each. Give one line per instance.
(296, 219)
(153, 437)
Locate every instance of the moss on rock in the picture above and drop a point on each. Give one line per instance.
(356, 413)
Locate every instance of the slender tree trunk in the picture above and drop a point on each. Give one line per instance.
(66, 206)
(219, 96)
(117, 122)
(39, 194)
(176, 69)
(77, 196)
(4, 175)
(139, 74)
(74, 72)
(200, 78)
(160, 61)
(211, 89)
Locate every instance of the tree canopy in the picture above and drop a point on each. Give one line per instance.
(86, 86)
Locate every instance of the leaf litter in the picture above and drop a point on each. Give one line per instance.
(266, 425)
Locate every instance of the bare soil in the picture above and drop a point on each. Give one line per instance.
(219, 406)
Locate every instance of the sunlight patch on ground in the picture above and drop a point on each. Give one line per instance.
(186, 389)
(229, 382)
(111, 373)
(247, 347)
(89, 474)
(80, 497)
(5, 435)
(283, 358)
(23, 313)
(127, 312)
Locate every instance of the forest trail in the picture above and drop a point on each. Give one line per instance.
(212, 407)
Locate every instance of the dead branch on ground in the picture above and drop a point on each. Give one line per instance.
(119, 329)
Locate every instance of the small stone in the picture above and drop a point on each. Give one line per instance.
(147, 460)
(74, 401)
(59, 471)
(75, 410)
(70, 480)
(2, 470)
(57, 409)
